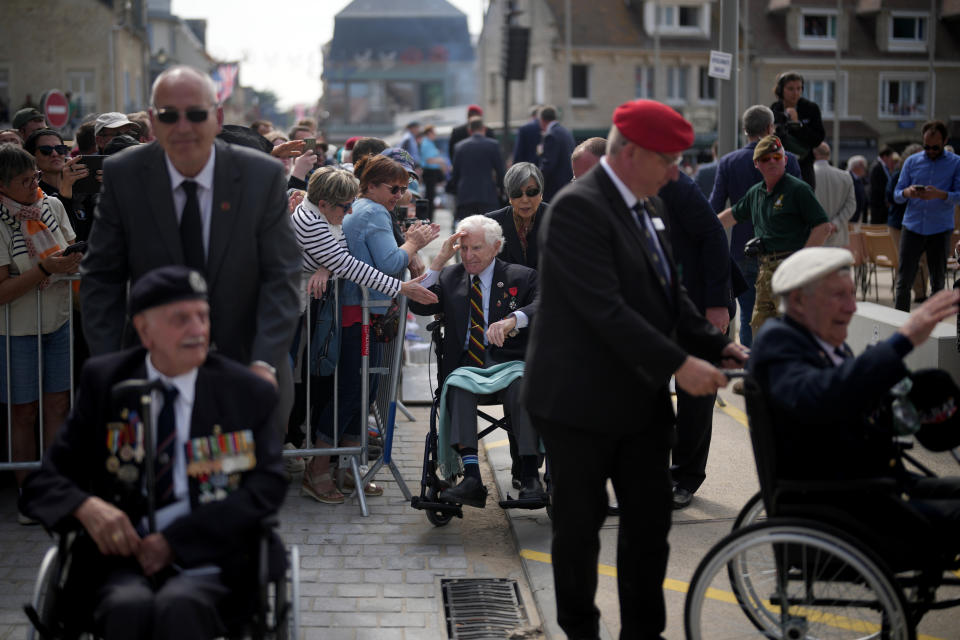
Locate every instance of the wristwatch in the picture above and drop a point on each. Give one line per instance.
(266, 365)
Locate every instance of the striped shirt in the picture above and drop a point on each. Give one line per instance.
(323, 248)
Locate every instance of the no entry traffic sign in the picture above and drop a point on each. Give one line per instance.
(57, 108)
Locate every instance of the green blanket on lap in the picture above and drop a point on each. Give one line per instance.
(479, 382)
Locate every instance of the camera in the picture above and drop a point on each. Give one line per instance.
(423, 208)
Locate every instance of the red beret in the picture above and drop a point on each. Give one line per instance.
(653, 126)
(474, 110)
(348, 145)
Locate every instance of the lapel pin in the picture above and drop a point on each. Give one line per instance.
(224, 206)
(500, 284)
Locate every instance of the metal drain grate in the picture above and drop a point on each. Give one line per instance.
(478, 608)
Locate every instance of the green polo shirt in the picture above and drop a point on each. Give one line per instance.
(783, 218)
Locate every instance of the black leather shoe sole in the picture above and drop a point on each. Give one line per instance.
(473, 499)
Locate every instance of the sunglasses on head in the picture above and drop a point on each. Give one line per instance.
(48, 149)
(171, 116)
(395, 189)
(531, 192)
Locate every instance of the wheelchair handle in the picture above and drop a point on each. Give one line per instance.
(734, 373)
(135, 384)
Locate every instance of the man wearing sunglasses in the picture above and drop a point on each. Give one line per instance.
(786, 217)
(112, 124)
(930, 185)
(217, 208)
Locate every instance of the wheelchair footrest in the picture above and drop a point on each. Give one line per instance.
(444, 507)
(524, 503)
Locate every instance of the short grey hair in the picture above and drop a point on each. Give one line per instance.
(332, 185)
(490, 228)
(857, 161)
(757, 120)
(184, 70)
(518, 174)
(615, 141)
(14, 160)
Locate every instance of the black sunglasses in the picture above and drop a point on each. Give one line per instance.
(395, 189)
(531, 192)
(48, 149)
(932, 147)
(170, 116)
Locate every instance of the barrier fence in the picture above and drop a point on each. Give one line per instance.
(383, 408)
(9, 464)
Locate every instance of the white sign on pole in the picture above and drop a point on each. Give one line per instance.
(720, 64)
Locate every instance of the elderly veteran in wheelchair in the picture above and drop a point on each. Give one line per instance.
(831, 412)
(487, 305)
(159, 561)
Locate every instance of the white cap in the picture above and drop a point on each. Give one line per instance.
(808, 265)
(110, 120)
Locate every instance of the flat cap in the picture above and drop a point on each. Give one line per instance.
(769, 144)
(653, 126)
(164, 285)
(24, 116)
(809, 265)
(110, 120)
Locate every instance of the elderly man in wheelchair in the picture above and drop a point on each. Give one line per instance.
(169, 523)
(856, 545)
(487, 305)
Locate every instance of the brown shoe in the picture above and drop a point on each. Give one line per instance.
(320, 487)
(370, 490)
(738, 387)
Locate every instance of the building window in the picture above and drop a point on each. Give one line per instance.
(686, 19)
(818, 29)
(539, 84)
(579, 82)
(908, 31)
(708, 86)
(676, 85)
(82, 88)
(335, 101)
(903, 96)
(643, 82)
(822, 92)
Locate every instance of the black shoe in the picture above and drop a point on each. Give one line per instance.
(681, 497)
(532, 488)
(470, 492)
(515, 481)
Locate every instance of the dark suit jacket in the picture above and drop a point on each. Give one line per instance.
(803, 136)
(452, 290)
(705, 176)
(820, 410)
(460, 133)
(699, 245)
(608, 336)
(228, 395)
(512, 249)
(558, 146)
(879, 205)
(253, 261)
(528, 139)
(477, 172)
(858, 192)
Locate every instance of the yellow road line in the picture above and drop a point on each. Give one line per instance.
(841, 622)
(735, 413)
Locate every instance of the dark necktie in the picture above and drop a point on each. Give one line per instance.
(166, 448)
(478, 325)
(656, 252)
(191, 229)
(842, 352)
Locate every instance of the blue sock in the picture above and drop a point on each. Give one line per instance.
(471, 464)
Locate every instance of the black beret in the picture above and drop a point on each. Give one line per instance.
(164, 285)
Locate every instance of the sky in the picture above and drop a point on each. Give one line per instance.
(278, 41)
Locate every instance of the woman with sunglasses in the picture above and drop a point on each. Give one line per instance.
(34, 231)
(369, 235)
(60, 171)
(521, 219)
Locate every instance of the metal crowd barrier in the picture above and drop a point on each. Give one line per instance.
(386, 403)
(9, 464)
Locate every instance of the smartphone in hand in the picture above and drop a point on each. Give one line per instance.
(76, 247)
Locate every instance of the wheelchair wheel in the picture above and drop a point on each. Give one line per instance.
(44, 590)
(751, 513)
(794, 579)
(437, 518)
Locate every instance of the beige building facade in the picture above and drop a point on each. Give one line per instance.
(97, 50)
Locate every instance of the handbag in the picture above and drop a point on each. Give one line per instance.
(385, 327)
(325, 341)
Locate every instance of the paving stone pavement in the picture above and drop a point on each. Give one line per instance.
(360, 577)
